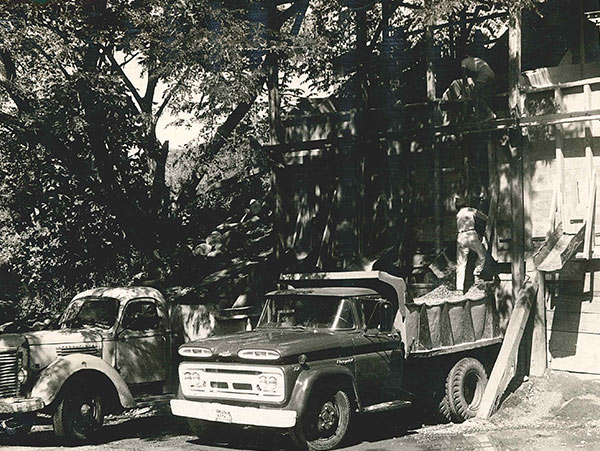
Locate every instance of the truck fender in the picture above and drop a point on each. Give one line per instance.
(53, 377)
(307, 379)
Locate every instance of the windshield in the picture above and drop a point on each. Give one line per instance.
(100, 312)
(307, 312)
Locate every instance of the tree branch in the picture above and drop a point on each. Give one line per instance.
(115, 65)
(169, 96)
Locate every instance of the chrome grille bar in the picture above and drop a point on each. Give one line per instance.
(9, 385)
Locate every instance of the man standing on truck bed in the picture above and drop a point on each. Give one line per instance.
(467, 239)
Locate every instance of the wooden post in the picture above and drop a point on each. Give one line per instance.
(514, 62)
(527, 196)
(490, 227)
(431, 98)
(560, 165)
(517, 249)
(588, 246)
(276, 136)
(539, 357)
(582, 20)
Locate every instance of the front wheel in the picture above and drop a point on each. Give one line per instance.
(325, 422)
(79, 414)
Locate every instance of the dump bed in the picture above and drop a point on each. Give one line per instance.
(430, 325)
(453, 323)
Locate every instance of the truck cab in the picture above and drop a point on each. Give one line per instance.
(113, 345)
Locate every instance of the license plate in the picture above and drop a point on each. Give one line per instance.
(223, 416)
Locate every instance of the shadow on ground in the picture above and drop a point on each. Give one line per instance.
(161, 428)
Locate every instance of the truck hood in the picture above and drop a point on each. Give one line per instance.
(66, 336)
(11, 341)
(288, 342)
(45, 346)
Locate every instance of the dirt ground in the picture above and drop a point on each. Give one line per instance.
(557, 411)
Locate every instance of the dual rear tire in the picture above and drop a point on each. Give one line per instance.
(465, 385)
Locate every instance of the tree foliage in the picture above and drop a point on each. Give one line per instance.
(90, 189)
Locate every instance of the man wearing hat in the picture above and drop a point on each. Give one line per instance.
(467, 240)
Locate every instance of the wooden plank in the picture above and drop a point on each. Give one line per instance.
(560, 118)
(560, 176)
(576, 304)
(558, 249)
(527, 196)
(517, 248)
(568, 344)
(539, 357)
(503, 370)
(591, 204)
(514, 62)
(580, 322)
(559, 86)
(491, 235)
(588, 363)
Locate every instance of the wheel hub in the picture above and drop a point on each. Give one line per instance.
(327, 417)
(85, 410)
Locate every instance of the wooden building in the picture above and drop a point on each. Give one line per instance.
(373, 187)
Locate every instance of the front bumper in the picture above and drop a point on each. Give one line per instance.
(20, 405)
(224, 413)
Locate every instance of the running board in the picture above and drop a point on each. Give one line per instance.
(391, 405)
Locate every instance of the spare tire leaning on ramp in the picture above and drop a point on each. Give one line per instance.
(465, 386)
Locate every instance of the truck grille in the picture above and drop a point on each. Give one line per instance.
(9, 385)
(232, 381)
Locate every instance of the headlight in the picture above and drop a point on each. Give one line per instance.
(195, 352)
(262, 383)
(258, 354)
(272, 384)
(22, 364)
(22, 376)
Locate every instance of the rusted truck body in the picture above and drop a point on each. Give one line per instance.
(112, 350)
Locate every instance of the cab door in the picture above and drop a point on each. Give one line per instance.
(141, 343)
(378, 354)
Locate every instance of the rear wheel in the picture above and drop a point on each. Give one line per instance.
(464, 388)
(324, 424)
(79, 413)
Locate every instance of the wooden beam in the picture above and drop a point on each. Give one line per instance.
(490, 227)
(437, 172)
(563, 85)
(528, 169)
(560, 175)
(588, 243)
(539, 357)
(514, 63)
(582, 20)
(504, 368)
(517, 248)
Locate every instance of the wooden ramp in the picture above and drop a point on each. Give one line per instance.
(559, 248)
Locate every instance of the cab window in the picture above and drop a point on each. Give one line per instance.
(141, 315)
(377, 314)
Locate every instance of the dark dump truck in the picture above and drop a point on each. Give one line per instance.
(332, 345)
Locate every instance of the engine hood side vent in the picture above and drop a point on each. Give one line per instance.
(65, 350)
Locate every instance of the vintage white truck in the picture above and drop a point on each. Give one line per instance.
(112, 350)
